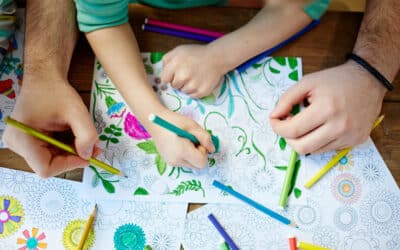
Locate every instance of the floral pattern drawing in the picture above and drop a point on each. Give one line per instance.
(34, 240)
(53, 213)
(11, 71)
(235, 112)
(11, 215)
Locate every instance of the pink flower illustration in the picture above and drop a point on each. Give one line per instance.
(134, 129)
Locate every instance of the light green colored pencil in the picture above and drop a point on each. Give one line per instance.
(288, 179)
(31, 131)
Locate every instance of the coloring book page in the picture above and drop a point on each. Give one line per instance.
(11, 70)
(355, 207)
(252, 158)
(37, 214)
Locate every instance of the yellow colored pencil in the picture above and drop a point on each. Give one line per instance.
(88, 227)
(31, 131)
(308, 246)
(335, 160)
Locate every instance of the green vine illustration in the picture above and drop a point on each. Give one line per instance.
(178, 171)
(242, 139)
(111, 134)
(104, 177)
(247, 107)
(150, 148)
(184, 186)
(179, 102)
(104, 89)
(259, 152)
(213, 113)
(297, 191)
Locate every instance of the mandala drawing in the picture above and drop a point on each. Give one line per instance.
(307, 216)
(32, 241)
(345, 218)
(129, 237)
(380, 212)
(326, 236)
(346, 188)
(52, 204)
(72, 235)
(11, 216)
(360, 240)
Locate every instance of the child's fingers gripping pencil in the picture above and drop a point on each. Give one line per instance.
(180, 132)
(31, 131)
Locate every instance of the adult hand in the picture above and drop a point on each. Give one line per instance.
(178, 151)
(343, 102)
(192, 69)
(50, 104)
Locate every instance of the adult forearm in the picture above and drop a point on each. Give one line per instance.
(50, 37)
(378, 40)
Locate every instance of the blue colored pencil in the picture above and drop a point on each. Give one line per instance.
(178, 33)
(241, 68)
(254, 204)
(223, 233)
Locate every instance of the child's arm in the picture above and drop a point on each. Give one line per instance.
(117, 50)
(197, 69)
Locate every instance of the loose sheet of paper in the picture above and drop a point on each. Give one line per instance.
(252, 157)
(11, 71)
(50, 214)
(356, 206)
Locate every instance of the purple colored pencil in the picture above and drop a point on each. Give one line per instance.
(178, 33)
(184, 28)
(223, 233)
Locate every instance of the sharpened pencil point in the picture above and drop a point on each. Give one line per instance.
(152, 117)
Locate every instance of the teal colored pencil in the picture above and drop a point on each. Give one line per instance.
(288, 179)
(180, 132)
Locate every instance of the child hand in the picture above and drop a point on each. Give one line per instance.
(192, 69)
(51, 105)
(178, 151)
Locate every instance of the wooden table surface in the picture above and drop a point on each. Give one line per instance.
(323, 47)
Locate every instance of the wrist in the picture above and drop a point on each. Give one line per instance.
(215, 54)
(371, 83)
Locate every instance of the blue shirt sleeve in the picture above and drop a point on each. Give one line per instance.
(97, 14)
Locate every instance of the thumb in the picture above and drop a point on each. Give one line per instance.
(296, 94)
(85, 134)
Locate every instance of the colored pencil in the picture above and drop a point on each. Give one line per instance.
(308, 246)
(288, 179)
(88, 227)
(292, 243)
(254, 204)
(31, 131)
(335, 160)
(180, 132)
(189, 29)
(223, 233)
(244, 66)
(178, 33)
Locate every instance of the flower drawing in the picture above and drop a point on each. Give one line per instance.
(11, 215)
(134, 129)
(32, 241)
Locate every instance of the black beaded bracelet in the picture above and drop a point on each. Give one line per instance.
(371, 70)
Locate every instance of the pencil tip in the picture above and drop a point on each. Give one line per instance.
(151, 117)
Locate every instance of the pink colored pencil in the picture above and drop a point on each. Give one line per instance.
(179, 27)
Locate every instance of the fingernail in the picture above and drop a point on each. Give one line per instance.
(88, 153)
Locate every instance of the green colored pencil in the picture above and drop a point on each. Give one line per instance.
(180, 132)
(288, 179)
(31, 131)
